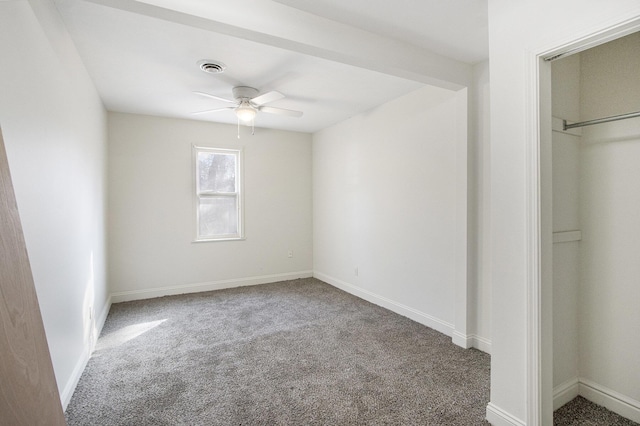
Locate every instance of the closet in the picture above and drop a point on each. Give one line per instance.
(596, 225)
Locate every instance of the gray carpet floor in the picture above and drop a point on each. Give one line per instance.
(292, 353)
(580, 412)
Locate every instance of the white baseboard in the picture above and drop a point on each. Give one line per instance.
(70, 386)
(481, 343)
(471, 341)
(597, 394)
(125, 296)
(614, 401)
(565, 392)
(406, 311)
(498, 417)
(462, 340)
(102, 318)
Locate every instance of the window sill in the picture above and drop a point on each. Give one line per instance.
(215, 240)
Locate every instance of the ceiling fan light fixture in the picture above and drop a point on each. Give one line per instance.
(245, 112)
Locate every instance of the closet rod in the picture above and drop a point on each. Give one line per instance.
(600, 120)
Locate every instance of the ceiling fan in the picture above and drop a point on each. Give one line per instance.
(247, 102)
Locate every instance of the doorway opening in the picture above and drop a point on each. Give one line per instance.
(595, 142)
(576, 343)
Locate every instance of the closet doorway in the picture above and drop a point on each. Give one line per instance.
(595, 157)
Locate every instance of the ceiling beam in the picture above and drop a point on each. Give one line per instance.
(284, 27)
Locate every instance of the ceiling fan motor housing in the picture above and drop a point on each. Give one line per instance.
(244, 92)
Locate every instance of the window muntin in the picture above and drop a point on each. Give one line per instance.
(218, 194)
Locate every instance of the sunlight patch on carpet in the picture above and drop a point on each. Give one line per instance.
(125, 334)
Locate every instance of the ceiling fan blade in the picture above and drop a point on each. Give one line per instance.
(265, 98)
(281, 111)
(214, 110)
(215, 97)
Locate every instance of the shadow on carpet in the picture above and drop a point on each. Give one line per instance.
(297, 352)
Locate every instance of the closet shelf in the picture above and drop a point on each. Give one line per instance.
(567, 236)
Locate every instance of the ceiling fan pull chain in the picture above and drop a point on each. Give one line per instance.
(238, 128)
(253, 128)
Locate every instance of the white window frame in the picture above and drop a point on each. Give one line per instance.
(239, 194)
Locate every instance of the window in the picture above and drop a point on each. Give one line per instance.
(218, 194)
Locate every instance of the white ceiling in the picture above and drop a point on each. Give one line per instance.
(331, 59)
(453, 28)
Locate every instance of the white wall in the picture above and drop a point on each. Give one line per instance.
(610, 201)
(54, 128)
(385, 199)
(152, 214)
(516, 31)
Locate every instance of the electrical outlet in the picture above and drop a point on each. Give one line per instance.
(290, 254)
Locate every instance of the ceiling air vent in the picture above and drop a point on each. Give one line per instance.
(211, 67)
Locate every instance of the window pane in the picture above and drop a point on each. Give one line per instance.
(218, 216)
(217, 172)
